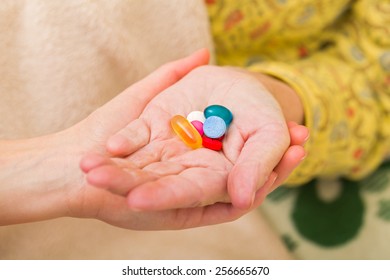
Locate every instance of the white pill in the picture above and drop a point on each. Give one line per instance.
(196, 116)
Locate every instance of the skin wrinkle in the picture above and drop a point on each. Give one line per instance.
(230, 209)
(140, 156)
(186, 223)
(186, 180)
(226, 92)
(172, 191)
(148, 131)
(191, 162)
(165, 106)
(156, 110)
(202, 194)
(236, 83)
(256, 132)
(96, 213)
(127, 164)
(232, 156)
(154, 166)
(185, 165)
(152, 177)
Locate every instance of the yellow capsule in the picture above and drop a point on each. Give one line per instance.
(187, 133)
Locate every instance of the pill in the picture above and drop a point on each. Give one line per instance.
(186, 132)
(219, 111)
(198, 126)
(212, 144)
(196, 116)
(214, 127)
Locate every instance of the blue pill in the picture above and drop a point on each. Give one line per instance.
(219, 111)
(214, 127)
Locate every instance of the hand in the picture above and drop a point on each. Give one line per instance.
(155, 171)
(112, 175)
(41, 178)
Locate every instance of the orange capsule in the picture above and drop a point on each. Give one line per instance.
(186, 131)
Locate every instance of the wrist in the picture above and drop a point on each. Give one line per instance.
(36, 175)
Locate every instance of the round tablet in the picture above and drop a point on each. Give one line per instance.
(214, 127)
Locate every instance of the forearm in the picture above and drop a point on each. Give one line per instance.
(34, 175)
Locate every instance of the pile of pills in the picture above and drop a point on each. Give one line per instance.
(203, 129)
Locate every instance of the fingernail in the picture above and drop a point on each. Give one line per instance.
(275, 176)
(270, 180)
(271, 186)
(306, 139)
(253, 198)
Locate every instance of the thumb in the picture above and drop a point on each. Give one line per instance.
(259, 156)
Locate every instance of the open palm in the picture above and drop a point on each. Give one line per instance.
(155, 171)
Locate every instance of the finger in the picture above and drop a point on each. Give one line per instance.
(191, 188)
(259, 156)
(299, 134)
(91, 161)
(117, 180)
(290, 160)
(208, 215)
(129, 139)
(291, 124)
(156, 152)
(264, 190)
(214, 214)
(165, 168)
(139, 94)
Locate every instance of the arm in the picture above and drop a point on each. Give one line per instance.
(345, 94)
(41, 179)
(341, 79)
(35, 176)
(284, 94)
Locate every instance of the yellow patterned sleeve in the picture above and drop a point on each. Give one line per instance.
(344, 84)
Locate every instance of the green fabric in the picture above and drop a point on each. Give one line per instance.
(334, 219)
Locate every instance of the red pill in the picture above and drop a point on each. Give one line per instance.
(212, 144)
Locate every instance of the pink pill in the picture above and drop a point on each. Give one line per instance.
(198, 126)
